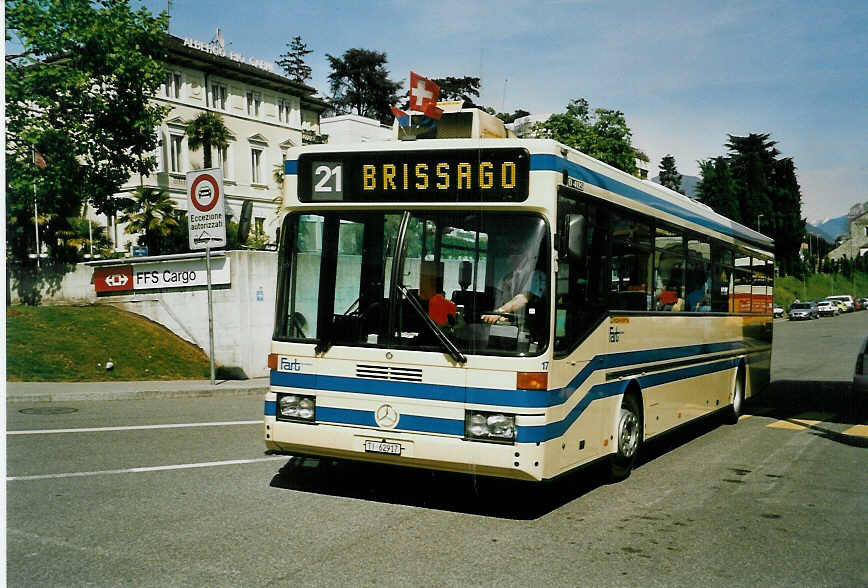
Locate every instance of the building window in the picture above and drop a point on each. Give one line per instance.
(256, 165)
(175, 145)
(283, 110)
(223, 160)
(218, 96)
(172, 85)
(254, 103)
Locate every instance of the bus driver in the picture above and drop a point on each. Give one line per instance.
(518, 286)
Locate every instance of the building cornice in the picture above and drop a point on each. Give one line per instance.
(180, 54)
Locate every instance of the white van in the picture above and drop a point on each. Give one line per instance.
(845, 298)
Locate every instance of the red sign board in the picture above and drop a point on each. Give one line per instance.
(113, 279)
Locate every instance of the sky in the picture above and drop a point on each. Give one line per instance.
(685, 74)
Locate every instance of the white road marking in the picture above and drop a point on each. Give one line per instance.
(133, 428)
(182, 466)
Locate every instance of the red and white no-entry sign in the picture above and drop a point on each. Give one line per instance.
(205, 192)
(206, 209)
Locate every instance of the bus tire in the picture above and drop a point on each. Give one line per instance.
(737, 398)
(628, 438)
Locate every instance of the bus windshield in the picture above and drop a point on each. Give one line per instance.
(410, 279)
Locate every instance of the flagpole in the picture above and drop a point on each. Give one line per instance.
(36, 222)
(35, 209)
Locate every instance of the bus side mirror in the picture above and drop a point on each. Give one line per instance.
(575, 237)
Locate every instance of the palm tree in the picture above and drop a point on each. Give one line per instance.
(207, 130)
(83, 238)
(153, 215)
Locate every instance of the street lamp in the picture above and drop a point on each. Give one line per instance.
(758, 217)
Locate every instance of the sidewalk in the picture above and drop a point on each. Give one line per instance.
(67, 391)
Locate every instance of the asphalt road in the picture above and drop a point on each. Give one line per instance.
(104, 493)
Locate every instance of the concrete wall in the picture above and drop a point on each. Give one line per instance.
(243, 311)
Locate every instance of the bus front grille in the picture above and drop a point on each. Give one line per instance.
(385, 372)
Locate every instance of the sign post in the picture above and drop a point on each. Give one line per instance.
(206, 224)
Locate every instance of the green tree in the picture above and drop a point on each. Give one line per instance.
(360, 81)
(785, 213)
(81, 237)
(207, 130)
(466, 89)
(153, 215)
(717, 189)
(768, 194)
(603, 134)
(78, 94)
(669, 176)
(292, 62)
(508, 118)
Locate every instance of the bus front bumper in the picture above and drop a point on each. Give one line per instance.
(522, 461)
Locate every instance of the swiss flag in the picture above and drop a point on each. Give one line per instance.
(423, 93)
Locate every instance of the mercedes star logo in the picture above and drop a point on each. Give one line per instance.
(386, 416)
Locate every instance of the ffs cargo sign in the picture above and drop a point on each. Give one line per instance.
(161, 275)
(206, 209)
(113, 279)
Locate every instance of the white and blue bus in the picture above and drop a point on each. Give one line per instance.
(503, 307)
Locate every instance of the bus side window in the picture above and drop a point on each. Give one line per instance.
(669, 269)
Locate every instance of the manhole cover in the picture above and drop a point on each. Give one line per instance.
(48, 410)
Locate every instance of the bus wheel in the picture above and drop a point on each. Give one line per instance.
(628, 439)
(734, 410)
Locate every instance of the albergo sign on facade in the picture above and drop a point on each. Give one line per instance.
(206, 209)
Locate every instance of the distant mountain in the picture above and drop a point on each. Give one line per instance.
(688, 185)
(829, 229)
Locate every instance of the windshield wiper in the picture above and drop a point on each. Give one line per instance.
(438, 332)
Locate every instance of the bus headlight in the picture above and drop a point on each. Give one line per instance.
(296, 407)
(489, 426)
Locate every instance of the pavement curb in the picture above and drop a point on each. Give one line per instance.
(22, 392)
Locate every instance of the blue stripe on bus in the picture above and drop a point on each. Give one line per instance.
(490, 396)
(290, 167)
(548, 162)
(542, 433)
(524, 434)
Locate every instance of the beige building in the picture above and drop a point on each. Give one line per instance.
(855, 243)
(266, 114)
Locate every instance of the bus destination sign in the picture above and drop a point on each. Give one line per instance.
(468, 175)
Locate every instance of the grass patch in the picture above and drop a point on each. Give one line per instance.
(73, 344)
(818, 286)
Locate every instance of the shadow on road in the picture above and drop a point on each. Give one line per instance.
(509, 499)
(788, 398)
(791, 400)
(465, 493)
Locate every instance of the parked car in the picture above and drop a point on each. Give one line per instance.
(779, 312)
(803, 311)
(860, 303)
(860, 374)
(841, 306)
(827, 308)
(845, 298)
